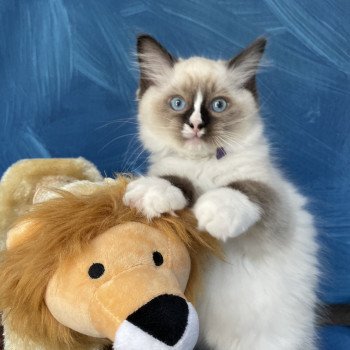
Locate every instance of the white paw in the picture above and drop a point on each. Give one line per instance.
(153, 196)
(225, 213)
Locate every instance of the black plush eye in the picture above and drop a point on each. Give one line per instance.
(96, 270)
(158, 258)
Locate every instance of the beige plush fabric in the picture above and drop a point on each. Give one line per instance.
(20, 182)
(13, 342)
(18, 186)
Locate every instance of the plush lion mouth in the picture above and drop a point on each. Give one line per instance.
(166, 322)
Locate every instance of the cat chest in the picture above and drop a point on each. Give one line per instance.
(204, 175)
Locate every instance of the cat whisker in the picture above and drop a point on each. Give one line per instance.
(229, 142)
(127, 156)
(120, 124)
(234, 122)
(117, 138)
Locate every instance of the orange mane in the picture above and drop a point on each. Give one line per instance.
(60, 228)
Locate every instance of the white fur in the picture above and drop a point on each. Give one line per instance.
(196, 117)
(263, 295)
(154, 196)
(225, 213)
(194, 134)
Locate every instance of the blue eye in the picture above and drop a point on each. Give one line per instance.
(218, 105)
(177, 103)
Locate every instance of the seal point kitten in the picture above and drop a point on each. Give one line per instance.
(200, 120)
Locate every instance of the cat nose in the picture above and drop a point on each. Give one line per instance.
(196, 125)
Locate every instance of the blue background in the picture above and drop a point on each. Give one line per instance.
(68, 81)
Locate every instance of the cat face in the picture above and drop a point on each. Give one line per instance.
(196, 105)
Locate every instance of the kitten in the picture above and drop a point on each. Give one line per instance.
(199, 119)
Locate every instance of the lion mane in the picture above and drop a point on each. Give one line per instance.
(60, 228)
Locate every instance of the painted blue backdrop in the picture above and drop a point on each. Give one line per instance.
(67, 87)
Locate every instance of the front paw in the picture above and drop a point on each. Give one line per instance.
(153, 196)
(225, 213)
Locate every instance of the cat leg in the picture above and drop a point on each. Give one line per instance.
(153, 196)
(225, 213)
(202, 347)
(271, 343)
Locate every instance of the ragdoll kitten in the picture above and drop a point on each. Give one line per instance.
(199, 119)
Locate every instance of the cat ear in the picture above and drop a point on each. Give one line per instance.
(154, 60)
(246, 63)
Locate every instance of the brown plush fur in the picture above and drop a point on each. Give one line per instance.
(61, 228)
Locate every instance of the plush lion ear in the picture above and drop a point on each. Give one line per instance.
(20, 233)
(245, 65)
(154, 60)
(45, 190)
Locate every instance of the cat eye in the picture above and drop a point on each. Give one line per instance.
(218, 105)
(177, 103)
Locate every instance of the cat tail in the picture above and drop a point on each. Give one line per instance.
(334, 314)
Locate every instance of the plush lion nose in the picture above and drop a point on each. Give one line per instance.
(164, 317)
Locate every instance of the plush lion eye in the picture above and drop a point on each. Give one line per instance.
(158, 258)
(177, 103)
(218, 105)
(96, 270)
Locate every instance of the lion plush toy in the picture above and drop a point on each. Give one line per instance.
(82, 270)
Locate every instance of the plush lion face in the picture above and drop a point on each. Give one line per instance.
(127, 285)
(83, 269)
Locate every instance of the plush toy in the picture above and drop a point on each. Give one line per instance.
(82, 270)
(18, 186)
(23, 179)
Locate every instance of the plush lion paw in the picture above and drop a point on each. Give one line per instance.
(153, 196)
(225, 213)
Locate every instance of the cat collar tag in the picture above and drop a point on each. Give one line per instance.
(220, 152)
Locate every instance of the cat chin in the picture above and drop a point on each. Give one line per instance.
(195, 152)
(187, 148)
(197, 147)
(192, 150)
